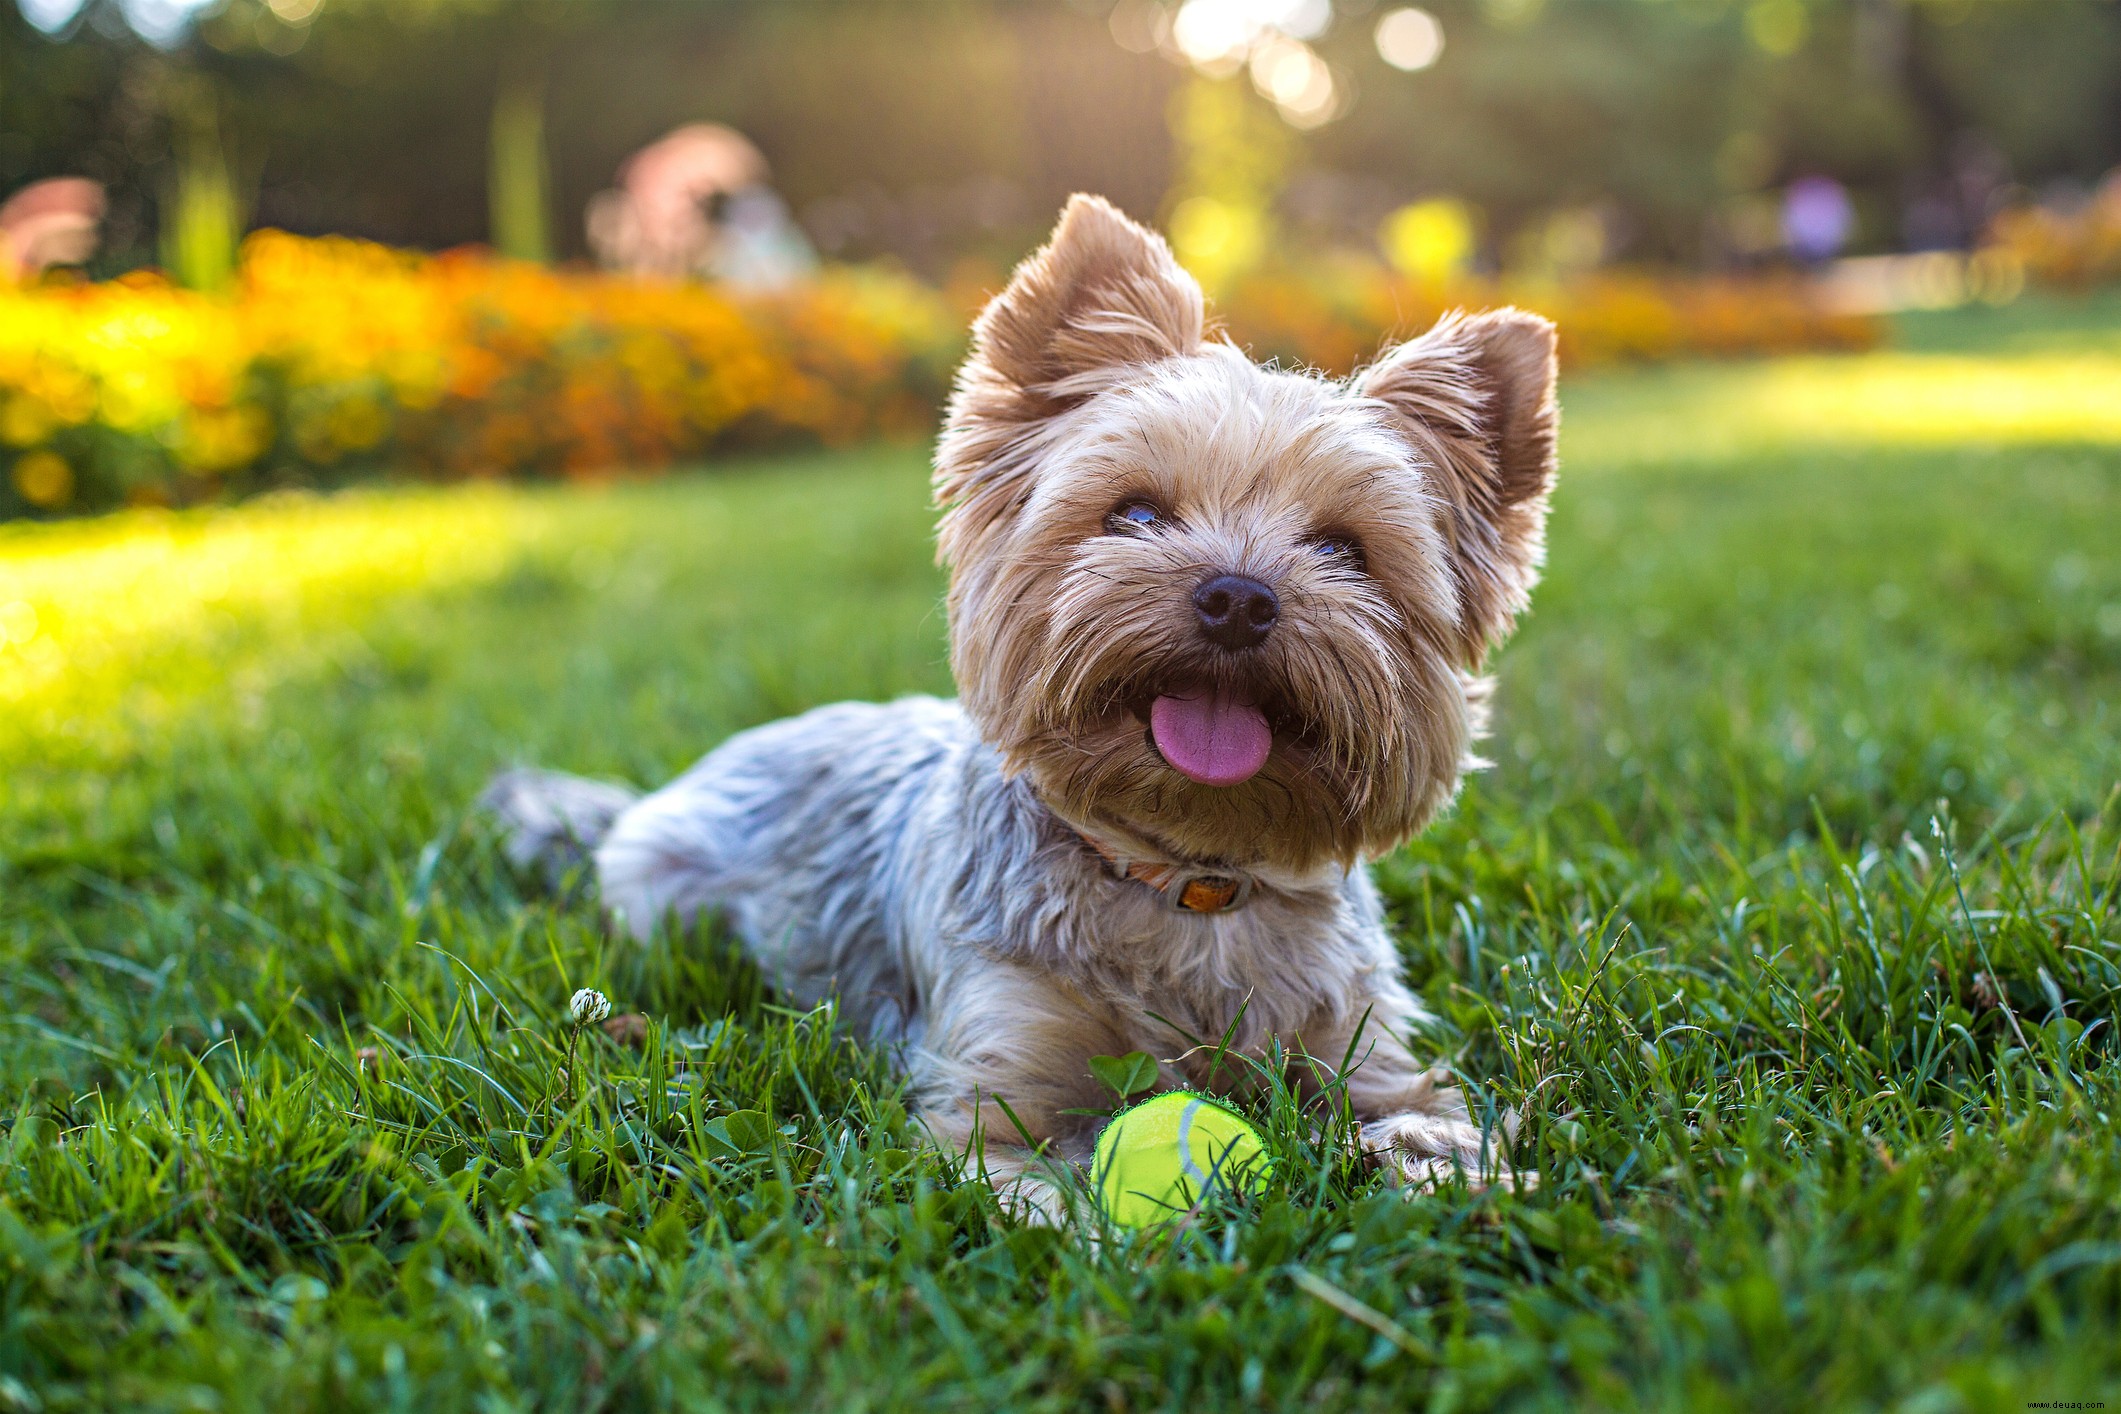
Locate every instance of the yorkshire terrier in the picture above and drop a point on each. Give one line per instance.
(1218, 630)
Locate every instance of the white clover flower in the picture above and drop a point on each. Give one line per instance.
(588, 1006)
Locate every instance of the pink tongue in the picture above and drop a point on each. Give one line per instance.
(1215, 739)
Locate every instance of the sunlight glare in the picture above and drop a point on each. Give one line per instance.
(104, 621)
(1869, 400)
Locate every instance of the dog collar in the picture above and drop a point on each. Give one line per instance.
(1187, 888)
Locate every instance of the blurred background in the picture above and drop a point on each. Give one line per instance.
(264, 242)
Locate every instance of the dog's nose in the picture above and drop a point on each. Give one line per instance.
(1235, 611)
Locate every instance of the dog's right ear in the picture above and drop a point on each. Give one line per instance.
(1475, 396)
(1102, 295)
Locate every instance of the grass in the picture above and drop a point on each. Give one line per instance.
(1790, 916)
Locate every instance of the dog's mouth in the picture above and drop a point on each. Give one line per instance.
(1212, 734)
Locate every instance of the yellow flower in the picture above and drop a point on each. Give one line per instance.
(44, 479)
(24, 422)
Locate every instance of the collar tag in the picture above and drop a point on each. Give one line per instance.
(1208, 893)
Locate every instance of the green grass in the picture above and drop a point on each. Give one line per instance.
(2034, 322)
(1790, 916)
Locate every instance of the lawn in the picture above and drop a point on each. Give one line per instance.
(1790, 915)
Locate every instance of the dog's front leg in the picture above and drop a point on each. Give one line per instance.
(1414, 1120)
(1005, 1057)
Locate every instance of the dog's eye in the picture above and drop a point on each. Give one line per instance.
(1134, 515)
(1343, 548)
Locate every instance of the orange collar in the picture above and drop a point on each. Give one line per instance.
(1187, 888)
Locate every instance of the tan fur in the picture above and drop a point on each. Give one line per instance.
(1089, 383)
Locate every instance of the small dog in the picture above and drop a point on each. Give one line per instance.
(1218, 631)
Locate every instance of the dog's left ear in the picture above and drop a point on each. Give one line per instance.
(1476, 398)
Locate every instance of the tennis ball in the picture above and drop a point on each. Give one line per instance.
(1159, 1159)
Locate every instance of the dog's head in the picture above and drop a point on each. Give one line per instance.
(1236, 611)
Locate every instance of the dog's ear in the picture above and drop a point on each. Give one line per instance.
(1102, 295)
(1475, 395)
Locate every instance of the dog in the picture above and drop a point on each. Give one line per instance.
(1218, 631)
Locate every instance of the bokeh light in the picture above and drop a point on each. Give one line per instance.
(1218, 236)
(51, 16)
(162, 23)
(1299, 83)
(1214, 33)
(1409, 39)
(1224, 31)
(44, 479)
(1431, 241)
(1777, 26)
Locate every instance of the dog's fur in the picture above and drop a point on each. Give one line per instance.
(927, 861)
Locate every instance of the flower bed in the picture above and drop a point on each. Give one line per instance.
(1334, 317)
(2071, 248)
(333, 359)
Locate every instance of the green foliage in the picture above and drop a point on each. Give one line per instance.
(1820, 1096)
(203, 217)
(1125, 1076)
(517, 200)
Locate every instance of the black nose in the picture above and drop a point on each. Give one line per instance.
(1235, 611)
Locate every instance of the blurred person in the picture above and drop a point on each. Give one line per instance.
(47, 223)
(1817, 219)
(696, 203)
(759, 247)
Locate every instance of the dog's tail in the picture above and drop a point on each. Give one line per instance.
(551, 822)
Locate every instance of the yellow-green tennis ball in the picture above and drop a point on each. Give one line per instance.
(1161, 1158)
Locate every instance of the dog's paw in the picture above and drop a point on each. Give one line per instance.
(1425, 1152)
